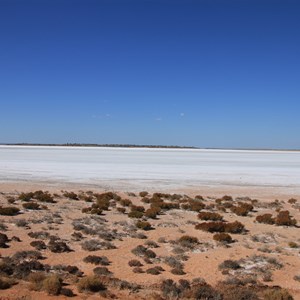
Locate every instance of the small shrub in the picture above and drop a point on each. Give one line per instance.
(151, 244)
(71, 195)
(143, 225)
(173, 262)
(293, 245)
(94, 245)
(6, 283)
(38, 245)
(125, 202)
(234, 227)
(193, 205)
(3, 240)
(137, 270)
(92, 210)
(102, 271)
(292, 201)
(22, 270)
(202, 291)
(135, 263)
(52, 285)
(284, 219)
(58, 247)
(90, 283)
(3, 227)
(210, 216)
(188, 241)
(224, 238)
(26, 196)
(265, 219)
(229, 264)
(143, 194)
(21, 223)
(31, 205)
(153, 271)
(36, 279)
(152, 212)
(43, 235)
(142, 251)
(135, 214)
(297, 278)
(277, 294)
(43, 197)
(177, 271)
(9, 211)
(241, 210)
(97, 260)
(121, 209)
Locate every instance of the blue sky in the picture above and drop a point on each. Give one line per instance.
(196, 73)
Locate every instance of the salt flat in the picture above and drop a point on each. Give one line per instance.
(150, 168)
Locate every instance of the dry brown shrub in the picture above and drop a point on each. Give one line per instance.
(52, 285)
(284, 219)
(91, 283)
(265, 219)
(234, 227)
(222, 237)
(210, 216)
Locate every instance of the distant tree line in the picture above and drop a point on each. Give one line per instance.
(105, 145)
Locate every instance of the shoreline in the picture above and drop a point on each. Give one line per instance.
(157, 147)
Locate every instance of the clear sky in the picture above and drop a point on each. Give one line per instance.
(201, 73)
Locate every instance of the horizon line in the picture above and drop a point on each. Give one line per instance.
(114, 145)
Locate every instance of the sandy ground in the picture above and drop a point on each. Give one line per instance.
(202, 262)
